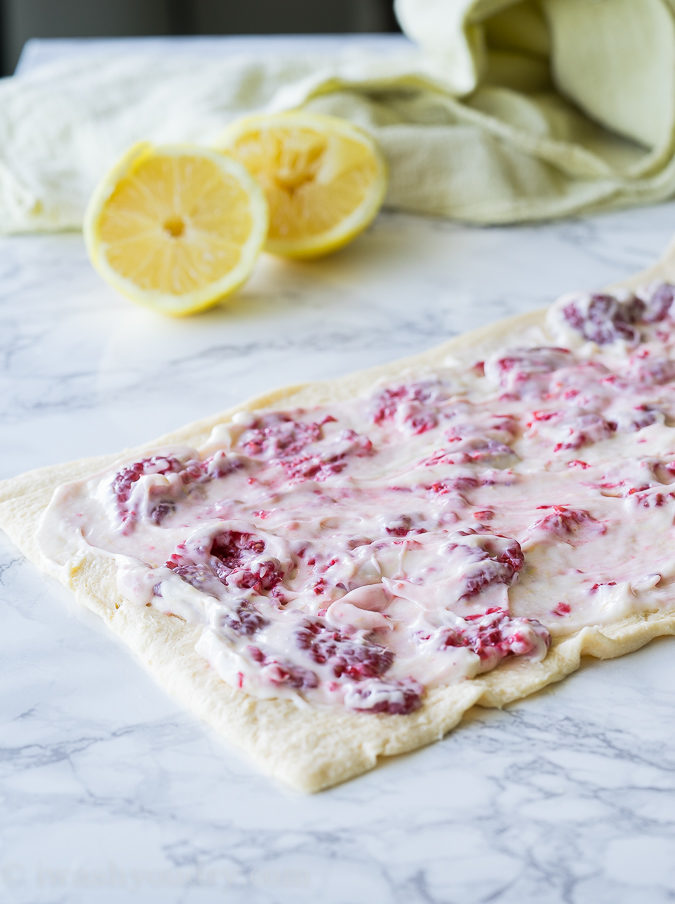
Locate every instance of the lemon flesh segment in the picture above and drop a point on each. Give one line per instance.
(176, 228)
(324, 179)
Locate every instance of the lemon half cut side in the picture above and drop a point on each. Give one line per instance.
(176, 228)
(324, 178)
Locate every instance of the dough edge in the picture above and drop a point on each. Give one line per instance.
(308, 748)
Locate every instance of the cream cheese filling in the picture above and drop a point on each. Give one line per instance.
(360, 552)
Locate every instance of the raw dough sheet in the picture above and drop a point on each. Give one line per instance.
(308, 747)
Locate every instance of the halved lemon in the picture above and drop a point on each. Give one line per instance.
(175, 228)
(324, 178)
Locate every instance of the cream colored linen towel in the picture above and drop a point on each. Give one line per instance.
(502, 111)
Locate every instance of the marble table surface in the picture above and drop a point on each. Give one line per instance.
(109, 792)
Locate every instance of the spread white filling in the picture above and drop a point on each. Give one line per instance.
(360, 552)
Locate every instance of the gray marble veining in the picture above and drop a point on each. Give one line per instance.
(108, 792)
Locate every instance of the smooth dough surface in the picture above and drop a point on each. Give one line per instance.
(309, 748)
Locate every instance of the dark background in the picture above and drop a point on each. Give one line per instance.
(24, 19)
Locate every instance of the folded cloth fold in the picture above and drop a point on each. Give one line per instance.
(502, 110)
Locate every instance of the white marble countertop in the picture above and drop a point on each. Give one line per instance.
(109, 792)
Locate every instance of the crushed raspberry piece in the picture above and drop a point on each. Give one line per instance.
(440, 457)
(587, 382)
(417, 406)
(562, 609)
(256, 654)
(650, 497)
(454, 485)
(279, 436)
(510, 555)
(282, 673)
(543, 416)
(603, 319)
(468, 451)
(496, 634)
(581, 430)
(261, 577)
(658, 304)
(484, 515)
(644, 416)
(232, 548)
(562, 520)
(192, 472)
(475, 442)
(219, 465)
(650, 371)
(162, 510)
(125, 478)
(198, 575)
(395, 698)
(229, 558)
(387, 403)
(403, 526)
(245, 620)
(231, 551)
(331, 460)
(286, 442)
(312, 467)
(497, 560)
(526, 369)
(346, 654)
(420, 423)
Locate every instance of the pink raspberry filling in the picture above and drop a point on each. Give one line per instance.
(365, 552)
